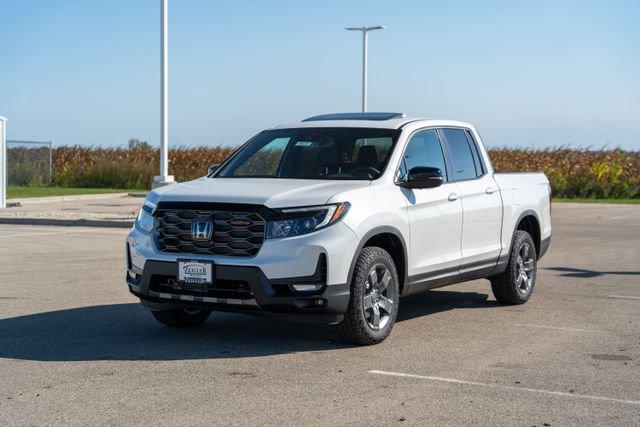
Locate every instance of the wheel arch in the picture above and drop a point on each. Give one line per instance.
(390, 239)
(529, 222)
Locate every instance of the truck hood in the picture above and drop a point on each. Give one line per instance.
(270, 192)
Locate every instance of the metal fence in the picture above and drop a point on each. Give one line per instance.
(29, 163)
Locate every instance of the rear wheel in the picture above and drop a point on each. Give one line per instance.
(515, 284)
(181, 318)
(373, 306)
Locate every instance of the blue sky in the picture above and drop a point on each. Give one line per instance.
(530, 74)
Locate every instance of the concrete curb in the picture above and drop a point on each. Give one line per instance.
(573, 205)
(69, 222)
(53, 199)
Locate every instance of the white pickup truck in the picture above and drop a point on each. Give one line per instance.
(333, 219)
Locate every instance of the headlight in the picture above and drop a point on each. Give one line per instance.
(305, 220)
(144, 221)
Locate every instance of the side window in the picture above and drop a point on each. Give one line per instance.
(461, 155)
(423, 149)
(476, 155)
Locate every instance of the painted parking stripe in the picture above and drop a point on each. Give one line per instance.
(50, 233)
(507, 387)
(53, 233)
(622, 296)
(557, 328)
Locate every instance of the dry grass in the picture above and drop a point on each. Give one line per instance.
(577, 173)
(573, 173)
(123, 168)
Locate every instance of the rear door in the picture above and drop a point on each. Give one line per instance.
(481, 200)
(435, 214)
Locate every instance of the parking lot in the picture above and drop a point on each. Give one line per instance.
(75, 346)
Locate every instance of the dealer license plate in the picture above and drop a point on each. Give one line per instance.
(196, 272)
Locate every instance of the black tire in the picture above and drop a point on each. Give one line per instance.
(358, 325)
(511, 287)
(180, 318)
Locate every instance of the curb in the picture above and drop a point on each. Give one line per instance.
(53, 199)
(69, 222)
(574, 205)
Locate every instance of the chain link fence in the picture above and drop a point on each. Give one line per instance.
(29, 163)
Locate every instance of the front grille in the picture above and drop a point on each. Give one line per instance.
(234, 233)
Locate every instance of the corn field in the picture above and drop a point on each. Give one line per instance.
(572, 173)
(577, 173)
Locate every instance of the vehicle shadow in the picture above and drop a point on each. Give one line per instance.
(129, 332)
(585, 274)
(436, 301)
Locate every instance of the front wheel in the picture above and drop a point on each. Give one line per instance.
(181, 318)
(373, 306)
(515, 284)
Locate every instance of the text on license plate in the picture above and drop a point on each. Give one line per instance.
(195, 272)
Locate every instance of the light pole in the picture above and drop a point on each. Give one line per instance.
(365, 31)
(164, 178)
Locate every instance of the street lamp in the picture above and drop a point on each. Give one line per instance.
(365, 31)
(164, 178)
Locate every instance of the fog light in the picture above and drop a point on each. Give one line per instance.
(306, 288)
(133, 278)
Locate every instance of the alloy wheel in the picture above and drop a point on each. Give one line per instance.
(377, 306)
(525, 269)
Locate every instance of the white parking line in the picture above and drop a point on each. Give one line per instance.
(70, 232)
(622, 296)
(50, 233)
(508, 387)
(558, 328)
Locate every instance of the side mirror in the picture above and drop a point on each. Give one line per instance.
(211, 169)
(423, 177)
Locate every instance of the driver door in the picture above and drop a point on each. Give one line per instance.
(435, 214)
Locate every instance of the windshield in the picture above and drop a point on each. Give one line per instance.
(313, 153)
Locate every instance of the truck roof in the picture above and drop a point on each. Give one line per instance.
(383, 120)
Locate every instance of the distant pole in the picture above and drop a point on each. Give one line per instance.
(364, 71)
(164, 178)
(365, 32)
(50, 162)
(3, 163)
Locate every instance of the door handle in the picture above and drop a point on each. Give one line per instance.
(490, 190)
(453, 197)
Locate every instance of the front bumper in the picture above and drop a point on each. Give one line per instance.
(264, 278)
(243, 289)
(278, 258)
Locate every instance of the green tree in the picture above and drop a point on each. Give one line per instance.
(136, 144)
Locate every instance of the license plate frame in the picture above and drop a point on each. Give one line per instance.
(194, 272)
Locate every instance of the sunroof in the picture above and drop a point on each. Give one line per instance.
(355, 116)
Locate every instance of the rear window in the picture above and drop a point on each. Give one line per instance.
(462, 161)
(476, 155)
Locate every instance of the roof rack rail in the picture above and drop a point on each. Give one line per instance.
(355, 116)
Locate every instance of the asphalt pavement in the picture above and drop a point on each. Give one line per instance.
(76, 347)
